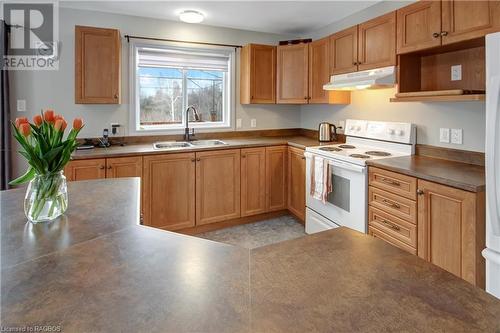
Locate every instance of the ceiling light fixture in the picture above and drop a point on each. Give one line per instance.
(191, 16)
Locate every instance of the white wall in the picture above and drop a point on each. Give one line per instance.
(55, 89)
(375, 105)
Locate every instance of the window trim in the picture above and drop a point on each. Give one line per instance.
(134, 96)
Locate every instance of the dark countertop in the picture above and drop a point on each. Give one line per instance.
(147, 148)
(84, 275)
(464, 176)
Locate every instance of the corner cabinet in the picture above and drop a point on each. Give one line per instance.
(276, 178)
(97, 66)
(258, 74)
(292, 74)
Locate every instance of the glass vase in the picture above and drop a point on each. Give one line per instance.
(46, 197)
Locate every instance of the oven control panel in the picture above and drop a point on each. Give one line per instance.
(381, 130)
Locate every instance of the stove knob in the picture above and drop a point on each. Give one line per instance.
(351, 127)
(401, 132)
(358, 128)
(390, 131)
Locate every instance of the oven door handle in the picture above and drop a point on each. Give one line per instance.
(340, 164)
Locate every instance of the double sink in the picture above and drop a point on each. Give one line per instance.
(165, 145)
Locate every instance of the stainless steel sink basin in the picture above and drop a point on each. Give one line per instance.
(208, 143)
(171, 145)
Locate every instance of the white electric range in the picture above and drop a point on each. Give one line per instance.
(347, 204)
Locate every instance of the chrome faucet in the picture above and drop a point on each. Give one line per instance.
(187, 135)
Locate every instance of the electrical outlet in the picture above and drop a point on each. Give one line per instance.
(115, 129)
(456, 136)
(444, 135)
(238, 123)
(21, 105)
(253, 123)
(456, 73)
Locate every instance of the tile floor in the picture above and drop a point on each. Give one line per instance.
(258, 234)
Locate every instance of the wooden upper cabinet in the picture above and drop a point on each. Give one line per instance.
(292, 74)
(451, 230)
(462, 20)
(297, 182)
(169, 191)
(253, 181)
(258, 74)
(377, 42)
(97, 65)
(217, 186)
(118, 167)
(319, 70)
(85, 169)
(276, 177)
(344, 51)
(419, 26)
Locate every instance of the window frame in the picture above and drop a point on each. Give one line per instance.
(230, 99)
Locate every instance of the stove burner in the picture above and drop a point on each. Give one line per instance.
(359, 156)
(330, 149)
(347, 146)
(377, 153)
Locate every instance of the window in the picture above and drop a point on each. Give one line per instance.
(169, 79)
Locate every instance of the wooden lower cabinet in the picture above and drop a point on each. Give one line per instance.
(217, 186)
(276, 177)
(253, 181)
(169, 191)
(85, 169)
(118, 167)
(451, 230)
(297, 182)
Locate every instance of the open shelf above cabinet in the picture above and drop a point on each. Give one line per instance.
(442, 98)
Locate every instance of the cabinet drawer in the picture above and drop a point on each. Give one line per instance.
(396, 183)
(391, 240)
(393, 204)
(393, 226)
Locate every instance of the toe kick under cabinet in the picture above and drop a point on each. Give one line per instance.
(441, 224)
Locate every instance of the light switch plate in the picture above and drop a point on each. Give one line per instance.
(456, 136)
(21, 105)
(238, 123)
(444, 135)
(456, 72)
(253, 123)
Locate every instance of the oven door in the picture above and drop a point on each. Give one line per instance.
(346, 205)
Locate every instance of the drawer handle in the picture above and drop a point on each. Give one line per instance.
(391, 182)
(391, 225)
(391, 204)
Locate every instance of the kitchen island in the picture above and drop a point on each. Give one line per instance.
(96, 269)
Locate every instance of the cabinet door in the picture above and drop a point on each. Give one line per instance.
(448, 233)
(276, 178)
(344, 51)
(118, 167)
(97, 65)
(419, 26)
(297, 182)
(464, 20)
(253, 181)
(377, 42)
(169, 191)
(292, 73)
(258, 74)
(217, 186)
(85, 169)
(319, 70)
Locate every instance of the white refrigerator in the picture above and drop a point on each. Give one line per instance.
(492, 251)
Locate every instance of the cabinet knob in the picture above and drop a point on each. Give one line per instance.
(116, 96)
(420, 192)
(303, 158)
(444, 33)
(110, 167)
(193, 160)
(198, 159)
(101, 167)
(355, 63)
(436, 35)
(243, 156)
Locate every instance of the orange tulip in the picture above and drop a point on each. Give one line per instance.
(77, 123)
(60, 125)
(48, 116)
(21, 120)
(25, 129)
(58, 116)
(38, 120)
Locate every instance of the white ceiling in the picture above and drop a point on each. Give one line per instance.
(282, 17)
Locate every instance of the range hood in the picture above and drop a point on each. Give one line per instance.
(370, 79)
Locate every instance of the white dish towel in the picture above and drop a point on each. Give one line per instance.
(321, 178)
